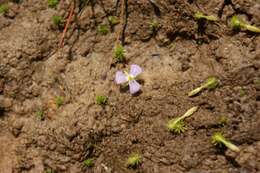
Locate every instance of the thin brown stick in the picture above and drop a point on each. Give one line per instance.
(120, 33)
(61, 43)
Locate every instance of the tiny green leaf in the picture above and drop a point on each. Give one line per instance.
(101, 100)
(113, 20)
(236, 24)
(57, 20)
(134, 160)
(59, 101)
(53, 3)
(223, 120)
(242, 92)
(211, 83)
(4, 8)
(257, 82)
(103, 29)
(89, 162)
(50, 171)
(219, 139)
(154, 25)
(40, 114)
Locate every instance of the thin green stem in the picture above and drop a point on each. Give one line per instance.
(189, 112)
(219, 139)
(252, 28)
(211, 18)
(230, 145)
(196, 91)
(177, 125)
(199, 15)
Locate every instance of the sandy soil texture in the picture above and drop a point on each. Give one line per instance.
(176, 57)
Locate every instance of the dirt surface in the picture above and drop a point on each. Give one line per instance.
(175, 59)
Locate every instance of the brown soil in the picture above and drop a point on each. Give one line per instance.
(176, 59)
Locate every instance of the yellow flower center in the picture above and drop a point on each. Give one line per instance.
(129, 76)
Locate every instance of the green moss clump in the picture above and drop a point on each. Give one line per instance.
(242, 92)
(4, 8)
(53, 3)
(59, 101)
(154, 25)
(101, 100)
(113, 20)
(119, 53)
(134, 160)
(89, 162)
(103, 29)
(223, 120)
(57, 20)
(40, 114)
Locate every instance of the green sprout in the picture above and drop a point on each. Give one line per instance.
(238, 24)
(50, 171)
(53, 3)
(101, 100)
(59, 101)
(40, 114)
(103, 29)
(177, 125)
(57, 20)
(257, 82)
(134, 160)
(119, 53)
(113, 20)
(242, 92)
(223, 120)
(154, 25)
(89, 162)
(200, 16)
(219, 139)
(4, 8)
(211, 83)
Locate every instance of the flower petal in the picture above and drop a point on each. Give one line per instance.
(135, 70)
(134, 86)
(120, 77)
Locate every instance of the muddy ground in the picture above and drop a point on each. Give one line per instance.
(176, 59)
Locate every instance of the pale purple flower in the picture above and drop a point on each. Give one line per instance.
(124, 77)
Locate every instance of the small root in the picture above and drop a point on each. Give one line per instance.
(61, 43)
